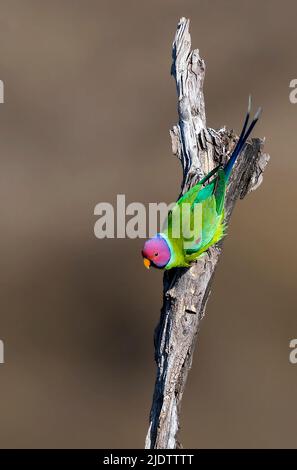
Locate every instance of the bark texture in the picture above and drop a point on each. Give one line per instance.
(186, 291)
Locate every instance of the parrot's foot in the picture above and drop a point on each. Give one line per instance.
(200, 257)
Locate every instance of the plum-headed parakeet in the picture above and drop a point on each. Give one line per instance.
(189, 233)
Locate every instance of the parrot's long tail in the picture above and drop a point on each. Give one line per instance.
(242, 139)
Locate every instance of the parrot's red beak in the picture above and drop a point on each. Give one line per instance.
(146, 263)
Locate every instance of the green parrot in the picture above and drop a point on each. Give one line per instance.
(196, 221)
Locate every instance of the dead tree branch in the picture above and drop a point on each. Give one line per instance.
(186, 290)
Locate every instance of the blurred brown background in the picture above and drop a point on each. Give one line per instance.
(88, 105)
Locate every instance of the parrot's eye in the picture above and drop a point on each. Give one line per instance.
(156, 254)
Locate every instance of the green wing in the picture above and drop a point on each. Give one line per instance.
(216, 188)
(196, 220)
(211, 200)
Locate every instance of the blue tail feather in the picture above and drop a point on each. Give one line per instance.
(242, 139)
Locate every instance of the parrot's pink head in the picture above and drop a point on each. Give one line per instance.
(156, 252)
